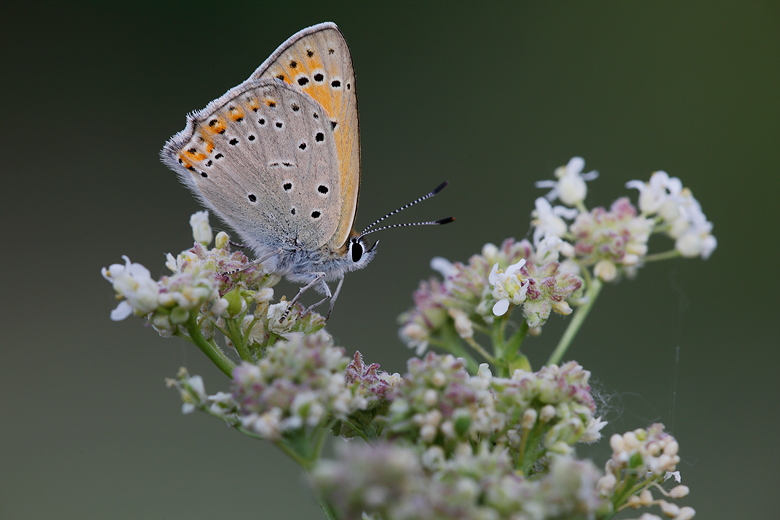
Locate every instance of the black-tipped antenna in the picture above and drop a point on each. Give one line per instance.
(429, 223)
(424, 197)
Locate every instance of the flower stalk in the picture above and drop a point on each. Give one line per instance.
(576, 322)
(212, 351)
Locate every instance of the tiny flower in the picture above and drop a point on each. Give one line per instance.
(275, 313)
(593, 431)
(570, 187)
(222, 241)
(550, 248)
(549, 219)
(669, 508)
(201, 230)
(490, 252)
(443, 266)
(374, 382)
(484, 371)
(606, 270)
(191, 390)
(219, 307)
(679, 491)
(264, 295)
(529, 418)
(672, 474)
(618, 236)
(562, 308)
(463, 325)
(548, 288)
(508, 287)
(547, 413)
(695, 243)
(416, 336)
(133, 283)
(606, 484)
(654, 194)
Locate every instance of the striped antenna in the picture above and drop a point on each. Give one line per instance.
(429, 223)
(424, 197)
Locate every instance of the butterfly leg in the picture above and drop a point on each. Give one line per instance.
(256, 262)
(266, 257)
(319, 278)
(333, 299)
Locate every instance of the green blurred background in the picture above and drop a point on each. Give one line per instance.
(490, 98)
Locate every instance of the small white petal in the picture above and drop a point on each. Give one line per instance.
(122, 311)
(512, 269)
(493, 276)
(443, 266)
(500, 308)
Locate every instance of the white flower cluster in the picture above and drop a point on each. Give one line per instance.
(298, 384)
(218, 284)
(508, 287)
(194, 397)
(640, 459)
(570, 187)
(615, 241)
(392, 481)
(438, 404)
(471, 295)
(681, 214)
(172, 297)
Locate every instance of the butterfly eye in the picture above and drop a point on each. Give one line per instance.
(357, 251)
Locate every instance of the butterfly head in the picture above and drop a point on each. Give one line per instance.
(359, 252)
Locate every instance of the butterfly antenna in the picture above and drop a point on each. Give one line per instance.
(427, 196)
(429, 223)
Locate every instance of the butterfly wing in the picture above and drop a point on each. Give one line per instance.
(263, 157)
(317, 60)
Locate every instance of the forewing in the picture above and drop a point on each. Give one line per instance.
(263, 157)
(317, 60)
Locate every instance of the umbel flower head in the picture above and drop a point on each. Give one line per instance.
(216, 284)
(611, 239)
(679, 212)
(299, 383)
(448, 439)
(393, 481)
(573, 250)
(437, 403)
(486, 287)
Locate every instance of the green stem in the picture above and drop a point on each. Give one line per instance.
(498, 335)
(484, 353)
(327, 507)
(357, 429)
(213, 353)
(451, 342)
(236, 335)
(457, 350)
(293, 454)
(515, 340)
(672, 253)
(576, 322)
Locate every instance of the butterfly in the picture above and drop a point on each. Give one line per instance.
(277, 158)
